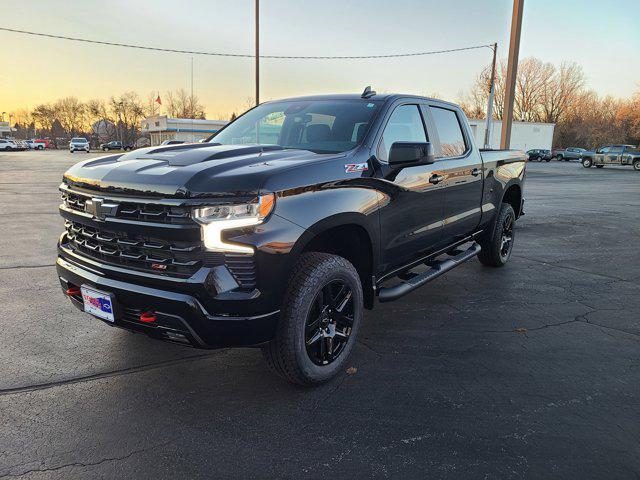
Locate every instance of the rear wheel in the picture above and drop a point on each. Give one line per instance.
(496, 250)
(319, 320)
(587, 162)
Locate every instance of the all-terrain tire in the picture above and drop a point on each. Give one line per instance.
(493, 253)
(287, 354)
(587, 162)
(636, 165)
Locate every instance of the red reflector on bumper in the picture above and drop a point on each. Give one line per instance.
(73, 291)
(148, 317)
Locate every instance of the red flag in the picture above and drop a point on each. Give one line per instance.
(158, 101)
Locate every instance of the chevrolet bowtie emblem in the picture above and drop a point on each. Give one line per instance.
(99, 209)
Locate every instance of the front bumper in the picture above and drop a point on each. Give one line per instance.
(181, 317)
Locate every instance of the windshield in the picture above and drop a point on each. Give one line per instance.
(322, 126)
(79, 140)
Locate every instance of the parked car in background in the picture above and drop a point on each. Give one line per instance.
(7, 145)
(568, 154)
(38, 144)
(21, 144)
(613, 155)
(115, 145)
(539, 154)
(79, 144)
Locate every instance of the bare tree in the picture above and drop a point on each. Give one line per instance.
(533, 79)
(561, 91)
(71, 113)
(180, 104)
(151, 106)
(44, 116)
(99, 121)
(128, 112)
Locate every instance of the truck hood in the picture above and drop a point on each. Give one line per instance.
(188, 170)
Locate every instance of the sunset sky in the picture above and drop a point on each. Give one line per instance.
(602, 37)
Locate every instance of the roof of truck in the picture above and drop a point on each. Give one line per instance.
(358, 96)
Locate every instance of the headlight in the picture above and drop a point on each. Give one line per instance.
(216, 219)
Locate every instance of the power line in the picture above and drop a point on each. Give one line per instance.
(242, 55)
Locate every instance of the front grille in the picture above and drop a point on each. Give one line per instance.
(138, 211)
(104, 242)
(146, 253)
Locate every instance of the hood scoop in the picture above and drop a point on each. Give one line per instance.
(190, 154)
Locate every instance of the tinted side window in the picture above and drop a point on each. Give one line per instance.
(615, 150)
(605, 150)
(449, 131)
(404, 125)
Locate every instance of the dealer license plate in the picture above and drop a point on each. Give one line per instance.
(97, 303)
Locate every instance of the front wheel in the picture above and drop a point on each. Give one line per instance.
(636, 165)
(497, 249)
(587, 162)
(319, 320)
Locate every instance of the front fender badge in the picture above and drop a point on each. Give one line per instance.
(356, 167)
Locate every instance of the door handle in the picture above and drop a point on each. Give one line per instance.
(436, 178)
(475, 172)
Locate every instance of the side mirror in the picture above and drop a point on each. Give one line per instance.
(411, 153)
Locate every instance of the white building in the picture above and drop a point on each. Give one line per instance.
(161, 128)
(524, 135)
(5, 129)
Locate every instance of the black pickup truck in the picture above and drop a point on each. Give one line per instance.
(115, 145)
(285, 225)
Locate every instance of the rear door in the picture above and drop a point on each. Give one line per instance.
(627, 155)
(462, 168)
(411, 219)
(614, 155)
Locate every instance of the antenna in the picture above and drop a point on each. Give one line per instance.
(368, 93)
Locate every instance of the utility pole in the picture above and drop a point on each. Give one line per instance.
(492, 90)
(512, 71)
(257, 52)
(192, 102)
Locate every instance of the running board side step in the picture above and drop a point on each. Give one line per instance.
(388, 294)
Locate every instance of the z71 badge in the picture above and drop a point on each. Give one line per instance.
(356, 167)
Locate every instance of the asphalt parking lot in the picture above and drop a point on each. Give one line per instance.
(530, 371)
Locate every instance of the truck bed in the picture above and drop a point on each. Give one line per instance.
(502, 156)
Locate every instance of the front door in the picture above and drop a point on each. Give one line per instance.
(463, 175)
(411, 220)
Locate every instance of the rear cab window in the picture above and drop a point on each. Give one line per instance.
(452, 140)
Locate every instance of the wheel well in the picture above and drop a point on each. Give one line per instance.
(513, 196)
(353, 243)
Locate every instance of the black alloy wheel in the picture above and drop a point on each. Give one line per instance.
(507, 236)
(329, 323)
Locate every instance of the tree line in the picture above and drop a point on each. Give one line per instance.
(558, 94)
(99, 120)
(544, 93)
